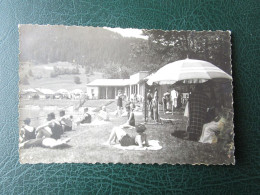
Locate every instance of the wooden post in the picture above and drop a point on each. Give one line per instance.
(130, 91)
(145, 103)
(106, 93)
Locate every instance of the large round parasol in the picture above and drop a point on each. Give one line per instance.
(188, 70)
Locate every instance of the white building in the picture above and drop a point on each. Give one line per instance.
(108, 88)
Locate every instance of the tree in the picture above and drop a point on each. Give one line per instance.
(77, 80)
(30, 73)
(24, 80)
(167, 46)
(53, 75)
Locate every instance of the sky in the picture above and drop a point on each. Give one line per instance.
(128, 32)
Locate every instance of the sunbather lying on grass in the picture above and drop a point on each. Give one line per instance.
(118, 133)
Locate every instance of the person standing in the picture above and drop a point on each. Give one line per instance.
(155, 105)
(179, 98)
(149, 97)
(168, 99)
(149, 102)
(174, 95)
(119, 103)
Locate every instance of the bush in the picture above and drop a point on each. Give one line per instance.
(53, 75)
(30, 73)
(24, 80)
(77, 80)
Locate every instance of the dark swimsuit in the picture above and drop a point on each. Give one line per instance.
(132, 120)
(87, 119)
(57, 131)
(120, 102)
(127, 140)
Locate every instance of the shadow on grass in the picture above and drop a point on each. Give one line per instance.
(179, 134)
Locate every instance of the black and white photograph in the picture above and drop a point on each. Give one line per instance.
(115, 95)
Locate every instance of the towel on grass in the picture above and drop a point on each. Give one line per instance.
(153, 145)
(95, 122)
(52, 143)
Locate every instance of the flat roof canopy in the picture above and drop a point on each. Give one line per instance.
(109, 83)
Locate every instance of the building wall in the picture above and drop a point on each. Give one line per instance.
(107, 93)
(142, 89)
(138, 76)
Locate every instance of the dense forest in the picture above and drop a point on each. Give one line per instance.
(99, 49)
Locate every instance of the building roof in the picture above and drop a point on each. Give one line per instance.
(109, 82)
(138, 77)
(31, 90)
(45, 91)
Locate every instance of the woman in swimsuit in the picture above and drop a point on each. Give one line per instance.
(131, 116)
(125, 139)
(52, 128)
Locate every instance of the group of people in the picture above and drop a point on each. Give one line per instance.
(52, 130)
(170, 101)
(48, 134)
(205, 116)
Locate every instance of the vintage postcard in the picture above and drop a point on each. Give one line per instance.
(112, 95)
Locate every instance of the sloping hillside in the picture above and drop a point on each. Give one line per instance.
(40, 77)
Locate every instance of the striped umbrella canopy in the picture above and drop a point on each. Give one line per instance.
(188, 71)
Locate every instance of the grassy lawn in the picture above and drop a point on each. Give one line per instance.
(86, 146)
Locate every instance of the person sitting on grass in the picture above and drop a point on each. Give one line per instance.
(51, 129)
(118, 134)
(86, 118)
(65, 121)
(212, 129)
(47, 135)
(27, 132)
(103, 114)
